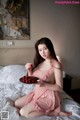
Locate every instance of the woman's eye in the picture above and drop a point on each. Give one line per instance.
(40, 50)
(45, 48)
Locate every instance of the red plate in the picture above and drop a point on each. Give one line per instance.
(29, 79)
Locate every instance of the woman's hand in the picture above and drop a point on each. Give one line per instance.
(29, 66)
(41, 82)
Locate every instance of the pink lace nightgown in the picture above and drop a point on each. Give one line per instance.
(44, 99)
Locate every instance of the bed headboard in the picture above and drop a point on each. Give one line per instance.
(16, 55)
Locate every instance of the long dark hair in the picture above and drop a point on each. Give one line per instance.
(38, 59)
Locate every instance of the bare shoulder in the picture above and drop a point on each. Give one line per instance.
(56, 64)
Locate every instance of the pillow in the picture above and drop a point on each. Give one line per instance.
(1, 67)
(12, 73)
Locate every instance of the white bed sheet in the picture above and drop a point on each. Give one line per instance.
(11, 88)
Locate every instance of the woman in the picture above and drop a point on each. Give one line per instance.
(45, 99)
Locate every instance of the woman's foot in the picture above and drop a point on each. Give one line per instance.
(18, 111)
(65, 113)
(10, 101)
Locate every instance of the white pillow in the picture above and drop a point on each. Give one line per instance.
(1, 67)
(12, 73)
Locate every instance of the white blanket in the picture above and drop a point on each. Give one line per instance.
(11, 88)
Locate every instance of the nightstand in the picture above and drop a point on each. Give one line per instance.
(67, 84)
(75, 94)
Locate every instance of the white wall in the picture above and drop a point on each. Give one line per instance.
(60, 23)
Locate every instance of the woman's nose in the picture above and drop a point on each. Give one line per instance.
(43, 51)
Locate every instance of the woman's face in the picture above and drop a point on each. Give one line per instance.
(44, 51)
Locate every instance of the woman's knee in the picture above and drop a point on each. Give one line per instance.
(23, 112)
(16, 103)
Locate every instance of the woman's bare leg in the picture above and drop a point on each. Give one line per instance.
(19, 103)
(24, 100)
(29, 110)
(35, 114)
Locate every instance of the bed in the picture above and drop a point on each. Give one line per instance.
(11, 89)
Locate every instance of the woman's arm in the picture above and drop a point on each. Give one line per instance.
(54, 87)
(28, 66)
(58, 85)
(58, 75)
